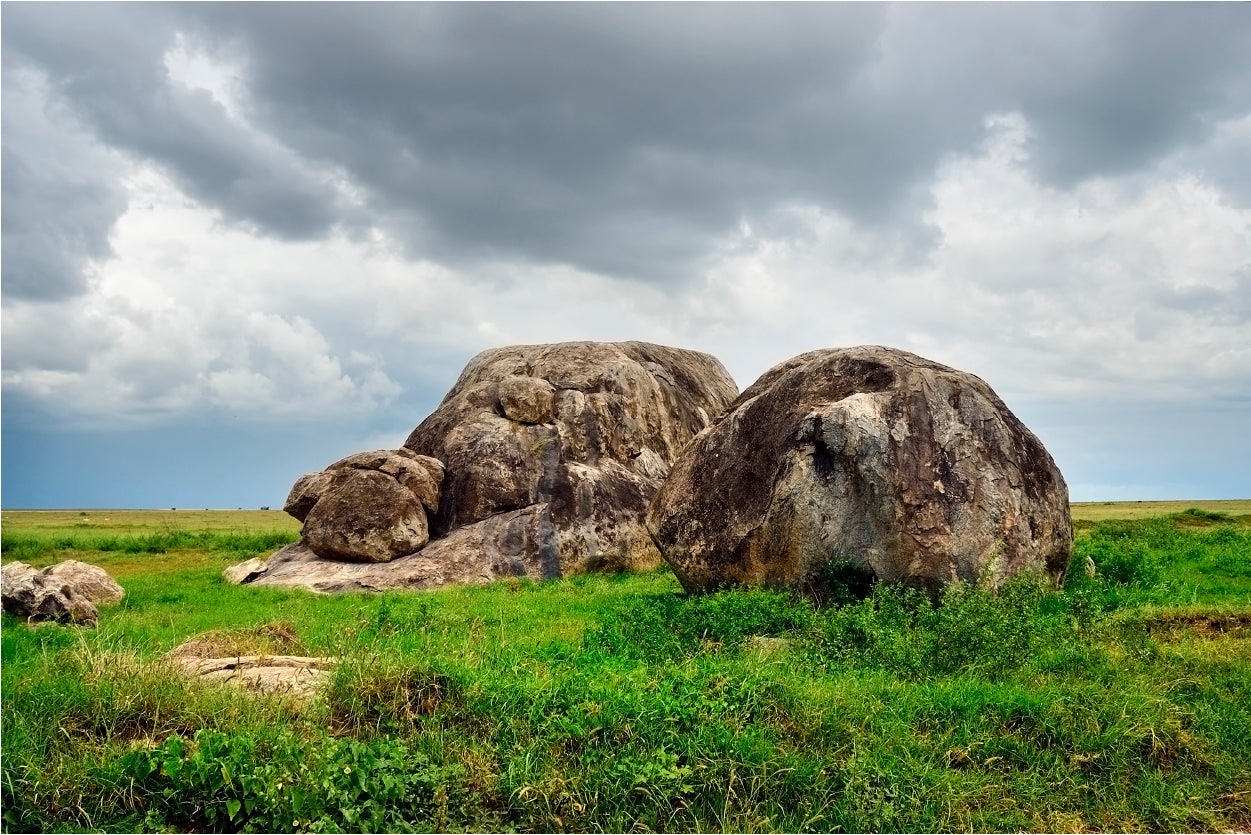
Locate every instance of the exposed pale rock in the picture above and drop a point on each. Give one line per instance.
(366, 517)
(297, 566)
(260, 673)
(89, 581)
(910, 470)
(244, 572)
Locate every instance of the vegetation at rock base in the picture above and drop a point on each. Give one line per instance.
(616, 703)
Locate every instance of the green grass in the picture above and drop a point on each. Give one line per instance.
(617, 703)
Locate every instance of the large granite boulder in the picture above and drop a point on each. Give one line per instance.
(547, 457)
(909, 470)
(65, 593)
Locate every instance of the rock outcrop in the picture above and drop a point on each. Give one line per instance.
(67, 592)
(911, 471)
(541, 462)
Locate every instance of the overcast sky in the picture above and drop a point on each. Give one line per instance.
(243, 240)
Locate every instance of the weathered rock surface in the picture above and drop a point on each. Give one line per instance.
(66, 592)
(244, 572)
(260, 673)
(368, 507)
(539, 463)
(553, 451)
(366, 517)
(911, 470)
(297, 566)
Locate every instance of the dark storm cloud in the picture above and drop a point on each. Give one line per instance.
(106, 63)
(624, 139)
(61, 196)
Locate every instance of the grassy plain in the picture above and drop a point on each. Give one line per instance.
(617, 703)
(1099, 511)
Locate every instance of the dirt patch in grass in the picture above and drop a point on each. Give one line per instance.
(1175, 626)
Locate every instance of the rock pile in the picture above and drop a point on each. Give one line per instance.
(67, 592)
(539, 463)
(909, 470)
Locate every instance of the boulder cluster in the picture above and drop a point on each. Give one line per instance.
(551, 460)
(539, 463)
(67, 592)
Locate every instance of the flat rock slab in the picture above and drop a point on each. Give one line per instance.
(439, 563)
(260, 673)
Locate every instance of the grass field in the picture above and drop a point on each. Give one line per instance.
(1099, 511)
(617, 703)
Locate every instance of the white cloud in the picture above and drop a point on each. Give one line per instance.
(1043, 291)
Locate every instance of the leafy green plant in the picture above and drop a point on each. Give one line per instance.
(224, 783)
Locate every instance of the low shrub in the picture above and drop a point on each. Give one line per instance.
(221, 782)
(672, 626)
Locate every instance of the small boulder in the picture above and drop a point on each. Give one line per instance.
(89, 581)
(911, 471)
(367, 517)
(65, 593)
(306, 491)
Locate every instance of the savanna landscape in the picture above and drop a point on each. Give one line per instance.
(616, 702)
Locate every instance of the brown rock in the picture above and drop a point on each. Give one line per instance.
(306, 491)
(911, 470)
(418, 473)
(583, 469)
(542, 460)
(368, 517)
(527, 399)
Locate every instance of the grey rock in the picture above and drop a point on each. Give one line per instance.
(65, 593)
(543, 459)
(910, 470)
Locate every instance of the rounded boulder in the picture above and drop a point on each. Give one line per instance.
(907, 470)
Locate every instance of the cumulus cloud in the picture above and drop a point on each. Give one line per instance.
(1119, 288)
